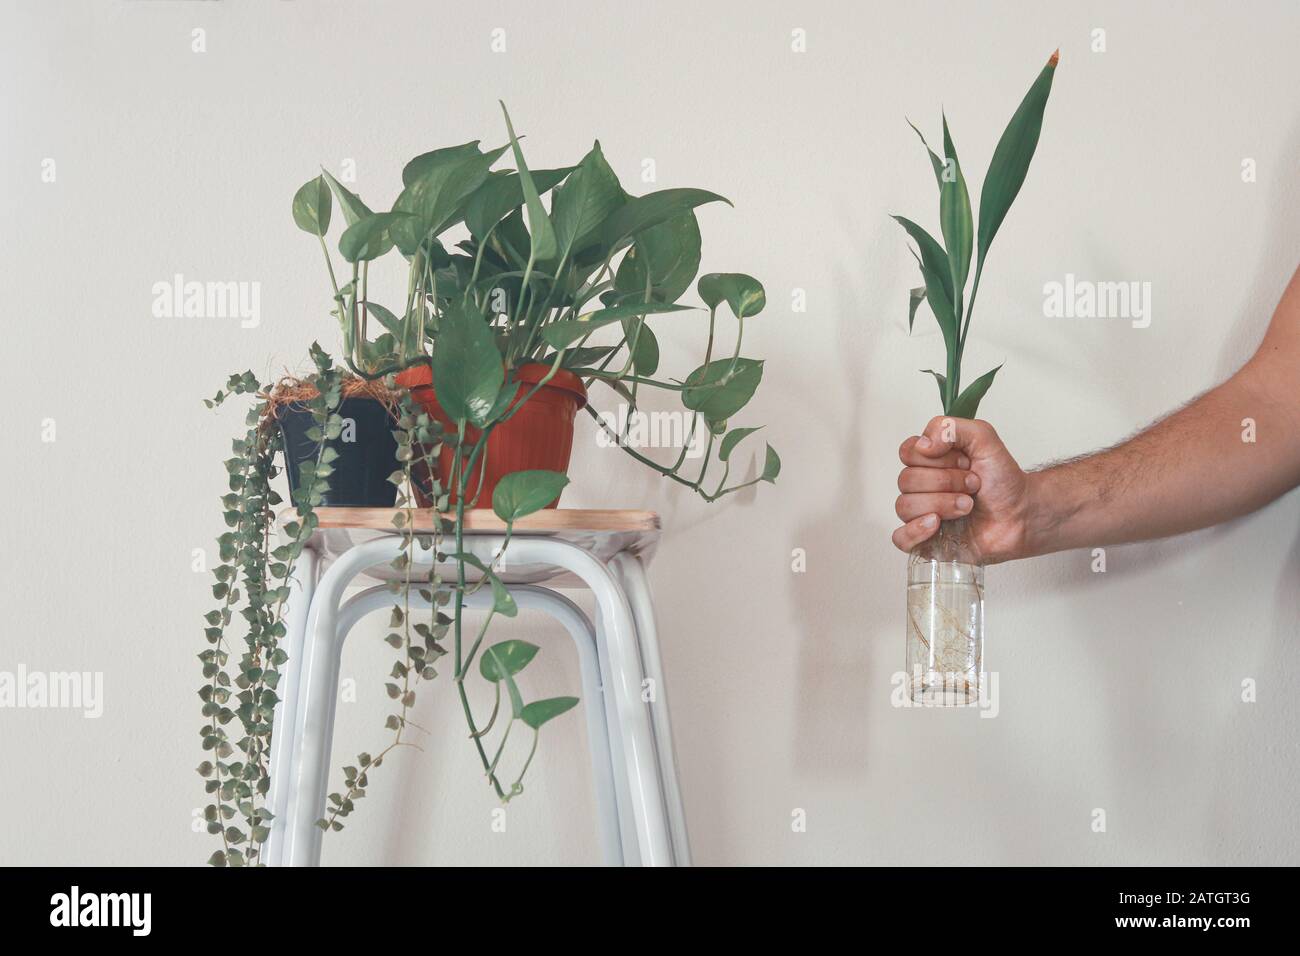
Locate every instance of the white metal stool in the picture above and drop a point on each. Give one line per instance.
(638, 800)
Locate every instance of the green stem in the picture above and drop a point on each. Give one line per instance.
(497, 759)
(460, 483)
(515, 787)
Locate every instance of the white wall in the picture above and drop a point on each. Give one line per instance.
(1118, 691)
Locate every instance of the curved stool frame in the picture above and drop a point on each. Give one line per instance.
(638, 799)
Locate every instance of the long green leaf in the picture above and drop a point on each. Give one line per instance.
(1011, 158)
(955, 219)
(540, 227)
(935, 162)
(968, 402)
(941, 306)
(932, 254)
(943, 383)
(915, 298)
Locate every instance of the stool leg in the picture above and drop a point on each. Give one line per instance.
(564, 611)
(598, 739)
(318, 700)
(631, 574)
(315, 734)
(297, 608)
(626, 821)
(633, 727)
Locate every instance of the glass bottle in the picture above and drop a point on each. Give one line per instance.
(945, 617)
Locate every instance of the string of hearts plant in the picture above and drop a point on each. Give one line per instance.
(567, 289)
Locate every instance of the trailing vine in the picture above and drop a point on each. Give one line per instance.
(418, 443)
(239, 787)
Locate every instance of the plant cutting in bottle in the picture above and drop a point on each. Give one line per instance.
(529, 298)
(945, 594)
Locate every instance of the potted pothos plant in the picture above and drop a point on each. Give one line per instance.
(514, 310)
(945, 585)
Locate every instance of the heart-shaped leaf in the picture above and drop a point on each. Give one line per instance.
(501, 662)
(643, 345)
(467, 370)
(524, 492)
(665, 258)
(584, 202)
(311, 207)
(506, 659)
(368, 238)
(717, 390)
(540, 711)
(437, 157)
(744, 294)
(732, 439)
(643, 212)
(437, 193)
(771, 466)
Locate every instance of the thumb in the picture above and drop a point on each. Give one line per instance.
(944, 433)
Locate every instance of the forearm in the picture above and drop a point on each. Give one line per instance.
(1193, 469)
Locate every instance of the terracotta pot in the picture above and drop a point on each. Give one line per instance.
(538, 436)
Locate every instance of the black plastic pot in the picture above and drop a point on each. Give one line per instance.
(366, 450)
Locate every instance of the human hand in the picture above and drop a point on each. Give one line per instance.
(959, 468)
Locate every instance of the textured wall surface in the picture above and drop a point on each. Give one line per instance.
(1119, 691)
